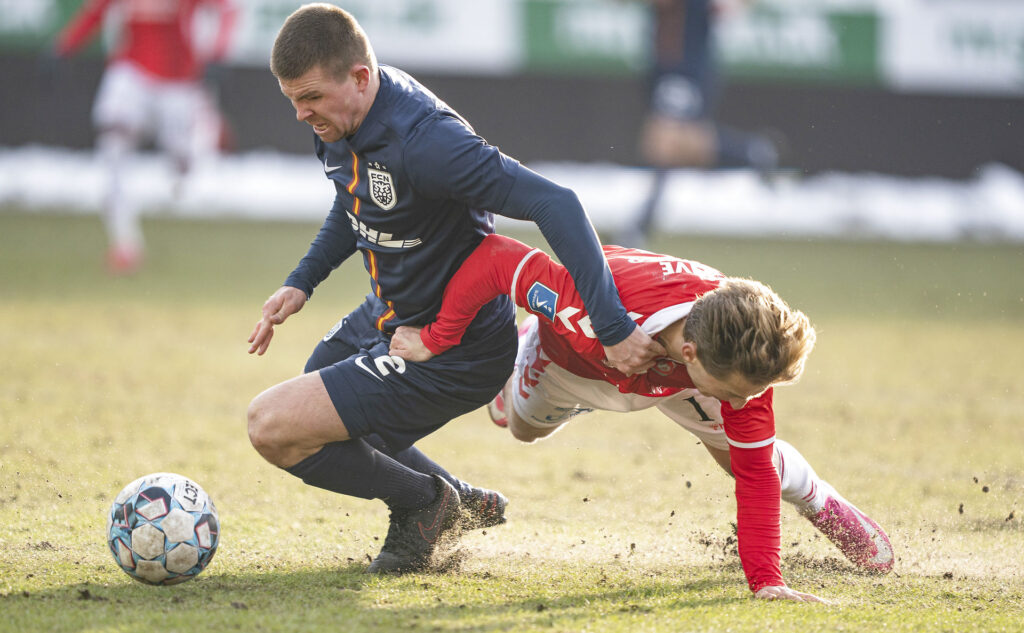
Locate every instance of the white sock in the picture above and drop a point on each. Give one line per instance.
(122, 214)
(801, 486)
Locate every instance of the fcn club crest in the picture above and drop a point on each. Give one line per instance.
(382, 188)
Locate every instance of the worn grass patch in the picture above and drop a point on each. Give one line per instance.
(911, 407)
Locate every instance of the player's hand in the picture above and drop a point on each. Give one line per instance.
(406, 343)
(635, 354)
(785, 593)
(281, 305)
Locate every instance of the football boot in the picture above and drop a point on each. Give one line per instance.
(856, 535)
(483, 508)
(414, 535)
(496, 409)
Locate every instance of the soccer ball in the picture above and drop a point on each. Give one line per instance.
(162, 529)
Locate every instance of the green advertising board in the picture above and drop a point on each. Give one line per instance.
(816, 46)
(912, 45)
(599, 37)
(30, 25)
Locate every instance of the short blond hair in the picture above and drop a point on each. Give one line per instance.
(320, 34)
(744, 326)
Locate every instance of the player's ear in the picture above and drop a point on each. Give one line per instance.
(688, 351)
(360, 73)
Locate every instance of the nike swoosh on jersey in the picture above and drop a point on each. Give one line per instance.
(328, 169)
(361, 362)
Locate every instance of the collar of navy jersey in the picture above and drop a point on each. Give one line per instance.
(333, 161)
(366, 133)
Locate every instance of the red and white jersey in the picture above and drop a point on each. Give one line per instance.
(657, 290)
(156, 35)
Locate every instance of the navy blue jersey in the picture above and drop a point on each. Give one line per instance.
(415, 191)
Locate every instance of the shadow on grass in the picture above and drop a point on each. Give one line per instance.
(326, 599)
(828, 565)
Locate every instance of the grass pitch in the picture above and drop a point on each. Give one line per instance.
(911, 406)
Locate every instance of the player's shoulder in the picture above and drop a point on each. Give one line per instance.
(412, 107)
(668, 267)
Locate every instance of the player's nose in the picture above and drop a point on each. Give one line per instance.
(301, 112)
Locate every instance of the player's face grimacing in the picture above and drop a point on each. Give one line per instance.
(735, 389)
(333, 107)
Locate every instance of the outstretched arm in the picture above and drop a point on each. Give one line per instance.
(502, 265)
(560, 216)
(751, 435)
(333, 244)
(470, 170)
(81, 28)
(228, 13)
(488, 272)
(758, 527)
(281, 305)
(765, 592)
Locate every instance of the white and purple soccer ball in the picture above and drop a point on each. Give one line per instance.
(163, 529)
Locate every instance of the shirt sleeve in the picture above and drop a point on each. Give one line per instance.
(333, 245)
(488, 272)
(751, 435)
(558, 213)
(228, 14)
(81, 28)
(446, 159)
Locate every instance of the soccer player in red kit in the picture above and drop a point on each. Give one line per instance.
(729, 341)
(150, 88)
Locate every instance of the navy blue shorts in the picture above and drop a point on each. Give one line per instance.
(402, 402)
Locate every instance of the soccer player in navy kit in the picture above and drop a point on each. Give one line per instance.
(415, 188)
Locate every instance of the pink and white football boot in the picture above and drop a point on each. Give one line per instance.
(123, 260)
(859, 538)
(496, 409)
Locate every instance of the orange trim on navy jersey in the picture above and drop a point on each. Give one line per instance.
(355, 181)
(386, 316)
(371, 257)
(372, 260)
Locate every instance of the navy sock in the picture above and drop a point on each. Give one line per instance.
(415, 459)
(356, 469)
(650, 208)
(745, 149)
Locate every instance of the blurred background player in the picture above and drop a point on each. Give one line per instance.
(729, 342)
(151, 89)
(679, 130)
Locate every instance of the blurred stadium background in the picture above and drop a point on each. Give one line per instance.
(903, 119)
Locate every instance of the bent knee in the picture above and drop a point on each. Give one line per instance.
(522, 435)
(264, 431)
(527, 433)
